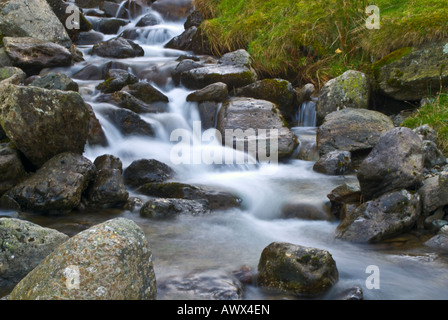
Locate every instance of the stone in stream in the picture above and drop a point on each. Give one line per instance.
(306, 211)
(161, 208)
(183, 66)
(434, 192)
(216, 92)
(116, 79)
(149, 19)
(32, 55)
(377, 220)
(296, 269)
(96, 136)
(57, 187)
(109, 261)
(110, 26)
(124, 99)
(119, 48)
(143, 171)
(343, 195)
(440, 240)
(12, 170)
(24, 246)
(55, 81)
(89, 38)
(173, 9)
(43, 123)
(129, 123)
(145, 92)
(395, 163)
(334, 163)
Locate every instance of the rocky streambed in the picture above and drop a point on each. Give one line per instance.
(99, 201)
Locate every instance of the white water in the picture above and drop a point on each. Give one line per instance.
(226, 240)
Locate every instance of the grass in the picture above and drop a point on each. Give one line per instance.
(313, 41)
(435, 114)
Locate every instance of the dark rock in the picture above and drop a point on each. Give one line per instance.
(56, 81)
(116, 79)
(183, 66)
(432, 155)
(173, 9)
(129, 123)
(146, 92)
(343, 195)
(216, 92)
(334, 163)
(110, 26)
(145, 171)
(89, 38)
(149, 19)
(171, 208)
(208, 111)
(119, 48)
(126, 100)
(96, 136)
(194, 20)
(11, 168)
(434, 192)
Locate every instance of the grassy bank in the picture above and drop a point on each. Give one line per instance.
(313, 41)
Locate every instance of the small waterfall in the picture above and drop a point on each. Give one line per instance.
(306, 115)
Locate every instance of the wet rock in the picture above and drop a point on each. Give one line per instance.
(96, 136)
(56, 81)
(202, 286)
(440, 240)
(116, 79)
(304, 94)
(98, 72)
(88, 3)
(59, 121)
(432, 155)
(126, 100)
(146, 92)
(171, 208)
(349, 90)
(343, 195)
(208, 111)
(119, 48)
(426, 133)
(89, 38)
(377, 220)
(183, 66)
(218, 199)
(110, 26)
(216, 92)
(109, 261)
(133, 204)
(306, 211)
(11, 75)
(248, 113)
(129, 123)
(434, 192)
(278, 91)
(24, 246)
(234, 70)
(145, 171)
(184, 41)
(5, 61)
(32, 55)
(11, 168)
(149, 19)
(173, 9)
(245, 275)
(334, 163)
(395, 163)
(354, 293)
(22, 18)
(296, 269)
(107, 189)
(351, 130)
(194, 20)
(56, 187)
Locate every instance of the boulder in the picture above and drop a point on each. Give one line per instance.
(89, 38)
(56, 81)
(109, 261)
(343, 195)
(170, 208)
(11, 168)
(377, 220)
(432, 155)
(296, 269)
(129, 123)
(116, 79)
(351, 130)
(119, 48)
(149, 19)
(56, 187)
(426, 133)
(246, 114)
(96, 136)
(349, 90)
(334, 163)
(110, 25)
(208, 111)
(124, 99)
(145, 92)
(411, 74)
(23, 18)
(43, 123)
(195, 19)
(32, 55)
(395, 163)
(440, 240)
(145, 171)
(216, 92)
(434, 192)
(24, 246)
(11, 75)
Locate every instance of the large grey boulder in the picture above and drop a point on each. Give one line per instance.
(24, 246)
(377, 220)
(43, 123)
(109, 261)
(395, 163)
(24, 18)
(296, 269)
(434, 192)
(349, 90)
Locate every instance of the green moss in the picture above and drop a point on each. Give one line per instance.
(394, 56)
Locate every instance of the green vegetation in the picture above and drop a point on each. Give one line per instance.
(313, 41)
(435, 114)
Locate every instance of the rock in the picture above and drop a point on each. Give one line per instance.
(32, 55)
(395, 163)
(5, 61)
(296, 269)
(306, 211)
(345, 194)
(11, 75)
(209, 285)
(109, 261)
(173, 9)
(107, 189)
(146, 92)
(216, 92)
(218, 199)
(278, 91)
(145, 171)
(208, 111)
(11, 168)
(234, 70)
(22, 18)
(440, 240)
(171, 208)
(354, 293)
(129, 123)
(110, 26)
(194, 20)
(431, 221)
(149, 19)
(24, 246)
(59, 121)
(183, 66)
(133, 204)
(434, 192)
(334, 163)
(432, 155)
(426, 133)
(56, 81)
(413, 73)
(96, 136)
(304, 94)
(184, 41)
(116, 79)
(89, 38)
(377, 220)
(248, 113)
(349, 90)
(351, 130)
(119, 48)
(56, 187)
(124, 99)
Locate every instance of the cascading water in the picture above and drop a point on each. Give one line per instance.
(226, 240)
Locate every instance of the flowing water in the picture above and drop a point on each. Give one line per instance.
(224, 241)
